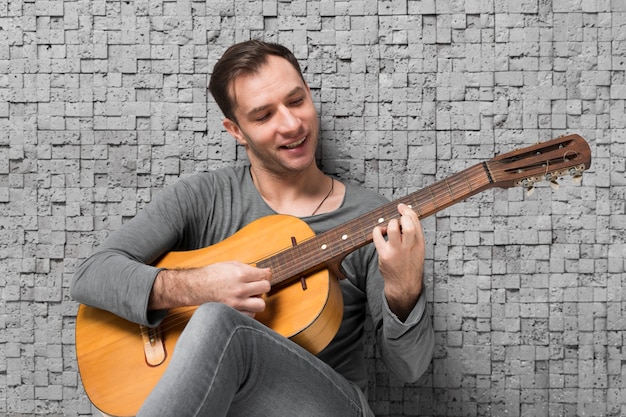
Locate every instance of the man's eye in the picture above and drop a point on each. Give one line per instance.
(297, 101)
(263, 117)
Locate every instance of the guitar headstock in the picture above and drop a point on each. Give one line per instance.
(546, 161)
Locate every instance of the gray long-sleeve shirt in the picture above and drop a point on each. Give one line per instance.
(207, 208)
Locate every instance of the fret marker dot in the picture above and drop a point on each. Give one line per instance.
(381, 220)
(324, 246)
(344, 237)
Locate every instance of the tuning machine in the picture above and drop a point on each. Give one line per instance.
(577, 173)
(529, 185)
(553, 180)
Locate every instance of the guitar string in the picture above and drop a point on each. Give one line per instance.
(175, 319)
(454, 184)
(451, 185)
(367, 222)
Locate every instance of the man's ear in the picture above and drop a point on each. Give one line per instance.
(234, 130)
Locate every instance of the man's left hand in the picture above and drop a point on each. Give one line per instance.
(401, 260)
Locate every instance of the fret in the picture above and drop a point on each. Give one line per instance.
(432, 196)
(469, 185)
(447, 182)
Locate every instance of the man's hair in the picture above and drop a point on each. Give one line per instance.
(243, 58)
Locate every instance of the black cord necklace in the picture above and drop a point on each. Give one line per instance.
(332, 187)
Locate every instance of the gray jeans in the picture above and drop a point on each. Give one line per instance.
(227, 364)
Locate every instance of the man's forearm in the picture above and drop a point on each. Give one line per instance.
(172, 288)
(402, 302)
(233, 283)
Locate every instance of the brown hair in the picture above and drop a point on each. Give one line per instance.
(243, 59)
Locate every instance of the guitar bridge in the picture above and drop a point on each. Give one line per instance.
(153, 347)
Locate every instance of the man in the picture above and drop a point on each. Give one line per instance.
(226, 362)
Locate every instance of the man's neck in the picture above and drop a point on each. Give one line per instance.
(299, 194)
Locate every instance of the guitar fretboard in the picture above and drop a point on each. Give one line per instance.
(331, 247)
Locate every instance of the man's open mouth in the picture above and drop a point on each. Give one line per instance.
(295, 144)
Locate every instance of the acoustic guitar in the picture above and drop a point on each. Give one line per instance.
(120, 362)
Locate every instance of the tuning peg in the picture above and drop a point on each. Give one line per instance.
(554, 184)
(577, 179)
(528, 185)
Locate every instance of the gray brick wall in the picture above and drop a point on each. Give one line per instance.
(103, 103)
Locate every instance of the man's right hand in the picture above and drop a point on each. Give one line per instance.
(236, 284)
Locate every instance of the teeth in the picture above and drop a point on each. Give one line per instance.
(296, 144)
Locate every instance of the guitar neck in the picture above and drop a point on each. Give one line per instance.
(329, 248)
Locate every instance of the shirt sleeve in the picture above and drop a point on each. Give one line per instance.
(119, 275)
(406, 347)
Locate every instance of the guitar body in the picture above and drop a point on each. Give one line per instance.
(111, 351)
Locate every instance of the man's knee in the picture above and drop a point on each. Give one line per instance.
(214, 310)
(215, 316)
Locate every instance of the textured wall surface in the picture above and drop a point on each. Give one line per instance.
(103, 103)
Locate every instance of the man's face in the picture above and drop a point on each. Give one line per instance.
(276, 119)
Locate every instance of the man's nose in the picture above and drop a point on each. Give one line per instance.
(289, 121)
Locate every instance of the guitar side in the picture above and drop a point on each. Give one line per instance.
(111, 351)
